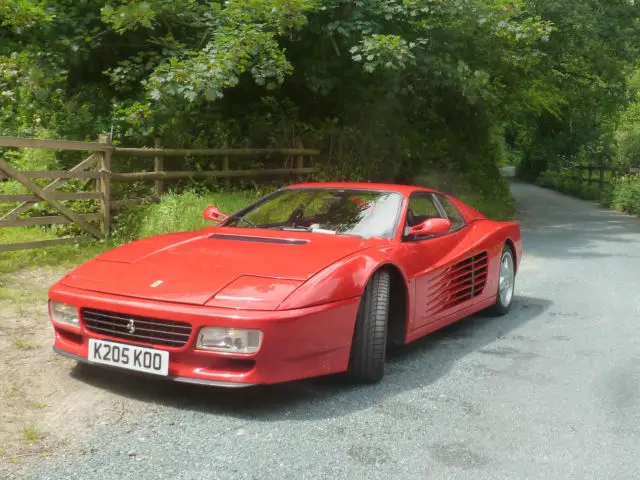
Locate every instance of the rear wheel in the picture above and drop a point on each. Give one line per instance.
(506, 282)
(368, 348)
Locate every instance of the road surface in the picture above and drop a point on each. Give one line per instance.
(551, 391)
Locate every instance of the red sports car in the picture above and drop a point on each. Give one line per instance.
(313, 279)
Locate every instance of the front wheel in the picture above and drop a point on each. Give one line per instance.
(368, 348)
(506, 282)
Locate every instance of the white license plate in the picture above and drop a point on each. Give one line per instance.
(131, 357)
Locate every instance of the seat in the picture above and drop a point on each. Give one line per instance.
(411, 218)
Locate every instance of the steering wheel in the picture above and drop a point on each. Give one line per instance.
(296, 215)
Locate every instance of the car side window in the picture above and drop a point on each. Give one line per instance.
(421, 207)
(453, 214)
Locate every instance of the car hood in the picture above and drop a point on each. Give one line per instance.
(193, 267)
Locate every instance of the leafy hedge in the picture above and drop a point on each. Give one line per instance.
(626, 194)
(564, 181)
(622, 194)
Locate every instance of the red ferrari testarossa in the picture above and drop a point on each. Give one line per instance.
(313, 279)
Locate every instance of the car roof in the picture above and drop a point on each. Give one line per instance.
(391, 187)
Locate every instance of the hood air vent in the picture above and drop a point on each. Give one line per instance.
(246, 238)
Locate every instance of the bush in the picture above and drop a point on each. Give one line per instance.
(489, 195)
(625, 196)
(564, 181)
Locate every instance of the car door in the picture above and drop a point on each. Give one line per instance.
(429, 261)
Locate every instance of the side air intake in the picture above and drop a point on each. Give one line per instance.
(458, 284)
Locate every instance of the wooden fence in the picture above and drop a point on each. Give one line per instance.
(98, 166)
(598, 174)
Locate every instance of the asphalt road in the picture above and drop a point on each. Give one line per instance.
(551, 391)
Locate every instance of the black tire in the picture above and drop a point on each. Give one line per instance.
(368, 348)
(502, 306)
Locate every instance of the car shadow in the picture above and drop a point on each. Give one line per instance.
(413, 366)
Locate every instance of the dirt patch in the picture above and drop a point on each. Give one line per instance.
(43, 406)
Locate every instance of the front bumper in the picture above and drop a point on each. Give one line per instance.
(197, 381)
(296, 344)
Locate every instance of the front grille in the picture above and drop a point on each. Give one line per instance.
(146, 330)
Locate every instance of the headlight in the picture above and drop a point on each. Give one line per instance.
(236, 340)
(63, 313)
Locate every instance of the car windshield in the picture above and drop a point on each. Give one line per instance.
(365, 213)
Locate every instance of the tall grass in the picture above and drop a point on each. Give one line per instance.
(178, 212)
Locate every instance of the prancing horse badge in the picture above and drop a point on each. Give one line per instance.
(157, 283)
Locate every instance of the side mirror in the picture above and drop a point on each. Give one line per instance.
(212, 213)
(431, 226)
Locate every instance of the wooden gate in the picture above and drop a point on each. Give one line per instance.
(96, 166)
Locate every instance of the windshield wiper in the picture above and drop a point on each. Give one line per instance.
(245, 221)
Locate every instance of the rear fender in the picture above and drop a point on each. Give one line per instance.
(497, 235)
(510, 232)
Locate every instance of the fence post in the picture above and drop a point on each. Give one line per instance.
(601, 181)
(225, 167)
(158, 166)
(300, 158)
(104, 185)
(300, 162)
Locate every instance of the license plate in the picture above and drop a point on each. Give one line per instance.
(131, 357)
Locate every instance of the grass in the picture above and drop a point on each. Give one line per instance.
(38, 405)
(30, 434)
(63, 255)
(22, 297)
(14, 392)
(183, 212)
(23, 344)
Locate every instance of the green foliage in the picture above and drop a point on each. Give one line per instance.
(22, 14)
(489, 195)
(565, 181)
(626, 194)
(627, 133)
(622, 193)
(387, 89)
(586, 60)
